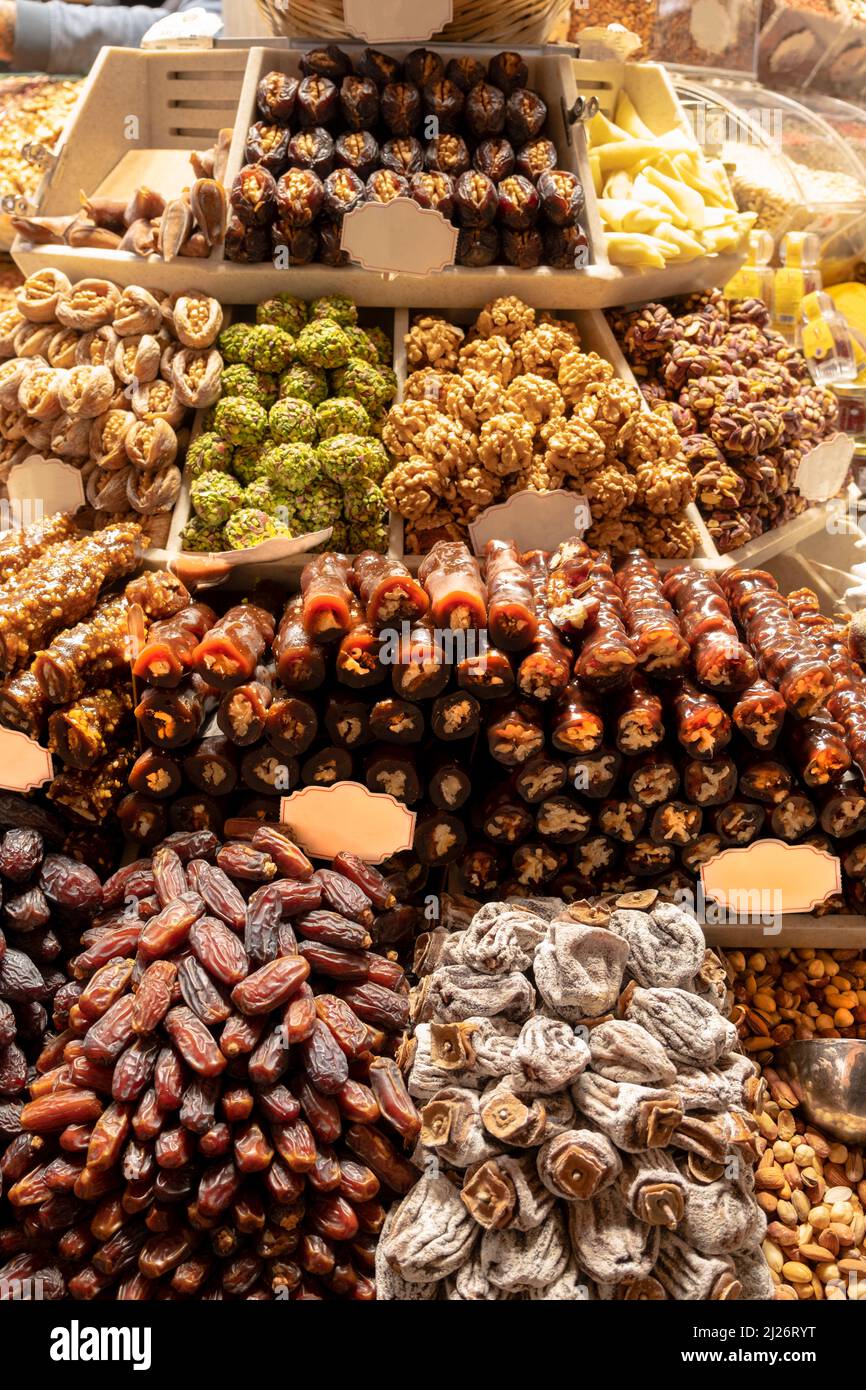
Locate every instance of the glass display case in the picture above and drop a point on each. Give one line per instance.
(799, 168)
(713, 35)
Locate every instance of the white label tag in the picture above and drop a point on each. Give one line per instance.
(399, 237)
(348, 816)
(396, 21)
(533, 520)
(770, 876)
(53, 485)
(823, 470)
(24, 764)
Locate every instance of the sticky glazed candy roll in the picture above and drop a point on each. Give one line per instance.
(594, 856)
(440, 838)
(535, 864)
(268, 772)
(794, 818)
(195, 813)
(546, 668)
(710, 784)
(675, 823)
(639, 718)
(651, 623)
(563, 820)
(693, 856)
(421, 670)
(572, 603)
(515, 733)
(455, 716)
(577, 725)
(452, 578)
(327, 597)
(647, 857)
(388, 592)
(155, 774)
(511, 601)
(482, 869)
(487, 674)
(23, 544)
(623, 820)
(392, 769)
(818, 748)
(759, 714)
(396, 721)
(84, 732)
(358, 662)
(702, 726)
(842, 808)
(91, 795)
(212, 766)
(230, 651)
(142, 820)
(97, 648)
(291, 725)
(24, 704)
(595, 774)
(347, 720)
(764, 779)
(325, 766)
(172, 718)
(787, 656)
(449, 785)
(301, 664)
(541, 776)
(60, 587)
(738, 823)
(505, 819)
(243, 712)
(719, 659)
(652, 777)
(607, 658)
(168, 649)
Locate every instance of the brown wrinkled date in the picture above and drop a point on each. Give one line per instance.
(211, 1119)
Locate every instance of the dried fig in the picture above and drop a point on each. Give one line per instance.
(137, 358)
(87, 391)
(38, 297)
(150, 443)
(154, 491)
(196, 376)
(198, 319)
(89, 304)
(107, 436)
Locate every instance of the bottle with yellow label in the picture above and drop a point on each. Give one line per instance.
(797, 276)
(825, 341)
(754, 279)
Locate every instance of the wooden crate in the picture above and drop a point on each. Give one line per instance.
(181, 100)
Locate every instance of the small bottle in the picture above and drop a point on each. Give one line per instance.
(825, 341)
(754, 279)
(797, 276)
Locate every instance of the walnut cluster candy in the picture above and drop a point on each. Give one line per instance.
(574, 1131)
(742, 400)
(515, 405)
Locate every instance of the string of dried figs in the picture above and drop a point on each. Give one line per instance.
(469, 140)
(218, 1114)
(587, 1128)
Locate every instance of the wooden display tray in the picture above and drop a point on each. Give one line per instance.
(181, 100)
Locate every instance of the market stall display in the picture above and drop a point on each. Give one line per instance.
(456, 547)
